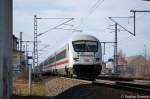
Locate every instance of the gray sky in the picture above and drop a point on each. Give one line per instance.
(91, 16)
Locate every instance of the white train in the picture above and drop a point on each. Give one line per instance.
(81, 56)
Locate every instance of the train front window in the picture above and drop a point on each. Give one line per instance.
(85, 46)
(91, 46)
(79, 46)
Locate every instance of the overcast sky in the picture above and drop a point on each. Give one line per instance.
(91, 16)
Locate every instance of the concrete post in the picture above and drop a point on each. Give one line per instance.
(5, 48)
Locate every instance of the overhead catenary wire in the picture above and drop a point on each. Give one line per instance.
(140, 5)
(91, 10)
(56, 26)
(70, 29)
(95, 6)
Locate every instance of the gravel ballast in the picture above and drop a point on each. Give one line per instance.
(63, 88)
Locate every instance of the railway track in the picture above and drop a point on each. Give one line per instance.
(144, 89)
(114, 78)
(122, 84)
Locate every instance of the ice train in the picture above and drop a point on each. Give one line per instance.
(80, 56)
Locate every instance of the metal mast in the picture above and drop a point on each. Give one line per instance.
(21, 66)
(104, 43)
(116, 46)
(35, 50)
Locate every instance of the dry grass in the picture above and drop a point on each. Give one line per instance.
(20, 87)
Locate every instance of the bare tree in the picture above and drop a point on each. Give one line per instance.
(121, 58)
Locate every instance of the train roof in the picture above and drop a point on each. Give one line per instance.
(84, 37)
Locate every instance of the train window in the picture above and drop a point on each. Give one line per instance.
(85, 46)
(61, 55)
(51, 60)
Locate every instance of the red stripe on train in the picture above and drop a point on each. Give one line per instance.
(60, 63)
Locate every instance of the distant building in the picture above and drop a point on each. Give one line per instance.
(109, 68)
(16, 66)
(15, 43)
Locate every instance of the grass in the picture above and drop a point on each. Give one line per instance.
(20, 88)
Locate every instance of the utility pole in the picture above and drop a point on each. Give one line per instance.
(134, 22)
(116, 46)
(30, 79)
(30, 74)
(28, 68)
(104, 49)
(21, 67)
(27, 57)
(35, 50)
(141, 11)
(26, 43)
(145, 58)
